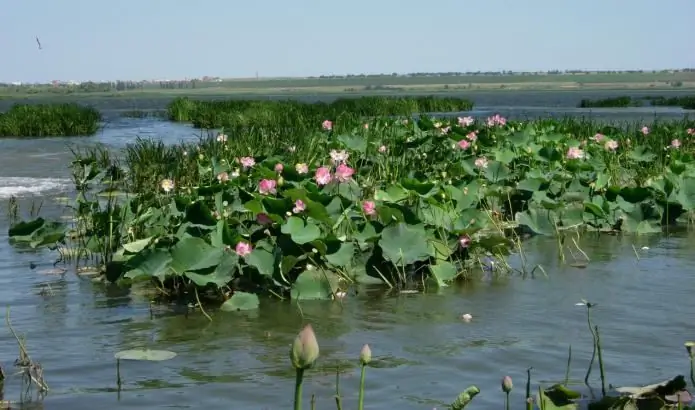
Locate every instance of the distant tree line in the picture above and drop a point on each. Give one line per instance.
(503, 73)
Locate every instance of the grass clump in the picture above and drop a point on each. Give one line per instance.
(49, 120)
(685, 102)
(295, 116)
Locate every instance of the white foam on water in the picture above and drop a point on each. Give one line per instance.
(26, 186)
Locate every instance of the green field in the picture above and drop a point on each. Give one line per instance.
(374, 84)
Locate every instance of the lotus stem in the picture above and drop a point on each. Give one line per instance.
(360, 405)
(338, 399)
(692, 371)
(529, 401)
(313, 402)
(593, 353)
(569, 364)
(298, 389)
(506, 401)
(118, 374)
(600, 362)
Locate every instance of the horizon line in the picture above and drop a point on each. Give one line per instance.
(393, 74)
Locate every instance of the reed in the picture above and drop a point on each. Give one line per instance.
(49, 120)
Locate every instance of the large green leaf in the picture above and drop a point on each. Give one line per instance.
(263, 260)
(541, 222)
(314, 284)
(343, 257)
(403, 244)
(443, 272)
(192, 253)
(241, 301)
(150, 262)
(300, 232)
(221, 276)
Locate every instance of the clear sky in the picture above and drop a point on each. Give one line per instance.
(172, 39)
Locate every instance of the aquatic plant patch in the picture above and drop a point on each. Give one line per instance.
(295, 116)
(685, 102)
(394, 201)
(49, 120)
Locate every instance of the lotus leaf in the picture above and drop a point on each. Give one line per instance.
(301, 232)
(404, 244)
(145, 355)
(241, 301)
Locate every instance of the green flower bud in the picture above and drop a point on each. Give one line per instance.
(305, 349)
(365, 355)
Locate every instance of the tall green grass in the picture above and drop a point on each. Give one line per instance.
(232, 114)
(49, 120)
(687, 102)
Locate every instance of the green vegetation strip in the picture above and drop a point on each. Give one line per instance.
(49, 120)
(238, 115)
(685, 102)
(392, 201)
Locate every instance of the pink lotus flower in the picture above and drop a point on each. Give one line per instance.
(575, 153)
(445, 130)
(279, 167)
(611, 145)
(690, 131)
(675, 144)
(645, 130)
(267, 186)
(464, 241)
(366, 126)
(301, 168)
(299, 206)
(243, 248)
(463, 144)
(247, 162)
(481, 163)
(465, 121)
(472, 136)
(221, 138)
(343, 173)
(323, 176)
(369, 207)
(598, 137)
(383, 149)
(327, 125)
(263, 219)
(496, 120)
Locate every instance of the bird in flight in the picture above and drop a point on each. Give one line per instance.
(39, 43)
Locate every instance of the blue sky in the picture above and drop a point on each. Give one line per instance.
(146, 39)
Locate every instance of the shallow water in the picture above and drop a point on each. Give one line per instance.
(425, 353)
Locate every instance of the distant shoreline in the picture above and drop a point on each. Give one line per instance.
(361, 86)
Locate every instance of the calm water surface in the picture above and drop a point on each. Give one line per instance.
(424, 353)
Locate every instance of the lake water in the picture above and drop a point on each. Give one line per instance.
(424, 353)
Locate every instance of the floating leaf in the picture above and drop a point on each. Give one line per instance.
(241, 301)
(145, 355)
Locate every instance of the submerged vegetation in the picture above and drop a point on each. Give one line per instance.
(49, 120)
(397, 201)
(685, 102)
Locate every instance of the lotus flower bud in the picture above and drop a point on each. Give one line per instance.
(507, 384)
(305, 349)
(365, 355)
(689, 347)
(281, 181)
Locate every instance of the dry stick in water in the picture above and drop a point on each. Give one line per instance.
(31, 369)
